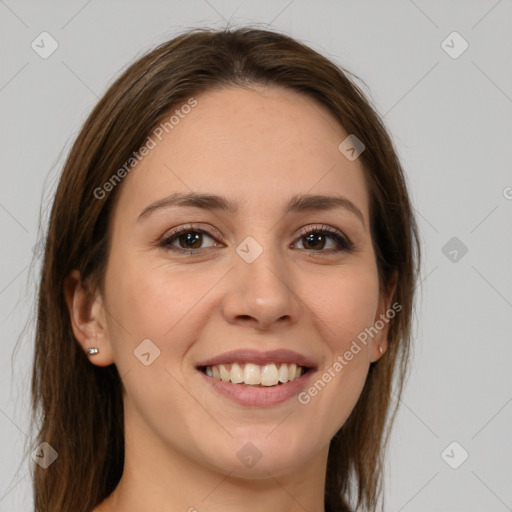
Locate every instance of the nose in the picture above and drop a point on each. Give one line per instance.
(261, 293)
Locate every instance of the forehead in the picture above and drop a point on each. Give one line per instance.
(258, 146)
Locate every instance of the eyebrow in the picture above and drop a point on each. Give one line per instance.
(298, 203)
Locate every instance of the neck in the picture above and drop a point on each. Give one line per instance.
(168, 480)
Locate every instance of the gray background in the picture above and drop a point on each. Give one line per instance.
(451, 121)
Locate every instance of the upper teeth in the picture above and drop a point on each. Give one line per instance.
(266, 375)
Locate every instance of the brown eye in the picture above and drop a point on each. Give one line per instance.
(316, 240)
(190, 240)
(186, 239)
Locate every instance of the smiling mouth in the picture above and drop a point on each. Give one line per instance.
(250, 374)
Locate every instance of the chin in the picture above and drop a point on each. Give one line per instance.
(257, 451)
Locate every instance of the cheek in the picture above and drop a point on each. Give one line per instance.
(344, 310)
(346, 305)
(155, 302)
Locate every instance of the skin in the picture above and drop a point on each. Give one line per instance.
(259, 146)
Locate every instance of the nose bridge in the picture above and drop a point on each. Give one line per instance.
(262, 264)
(260, 285)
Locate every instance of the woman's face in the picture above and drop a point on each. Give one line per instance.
(274, 281)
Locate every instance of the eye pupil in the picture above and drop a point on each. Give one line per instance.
(190, 241)
(191, 238)
(311, 237)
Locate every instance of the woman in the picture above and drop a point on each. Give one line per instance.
(227, 288)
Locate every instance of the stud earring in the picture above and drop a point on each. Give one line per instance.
(381, 350)
(92, 351)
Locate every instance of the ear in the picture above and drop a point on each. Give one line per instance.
(88, 319)
(383, 318)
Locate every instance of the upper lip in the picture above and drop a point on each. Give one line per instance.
(260, 358)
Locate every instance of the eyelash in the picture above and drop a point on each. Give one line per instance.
(343, 243)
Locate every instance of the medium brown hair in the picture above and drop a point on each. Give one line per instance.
(78, 404)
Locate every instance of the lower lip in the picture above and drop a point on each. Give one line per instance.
(259, 396)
